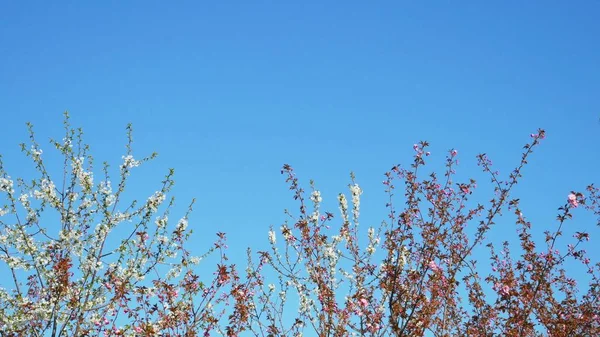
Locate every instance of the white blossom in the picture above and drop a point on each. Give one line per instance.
(272, 238)
(6, 185)
(86, 179)
(129, 162)
(356, 192)
(314, 217)
(161, 221)
(36, 152)
(155, 200)
(182, 224)
(316, 197)
(343, 206)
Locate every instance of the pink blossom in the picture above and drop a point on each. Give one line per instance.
(434, 266)
(541, 135)
(372, 327)
(503, 289)
(454, 153)
(364, 302)
(573, 200)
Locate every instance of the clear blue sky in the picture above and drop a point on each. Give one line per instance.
(227, 93)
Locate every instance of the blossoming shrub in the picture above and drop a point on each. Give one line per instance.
(418, 274)
(73, 277)
(76, 260)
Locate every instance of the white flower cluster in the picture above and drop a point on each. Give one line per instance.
(47, 193)
(373, 241)
(24, 200)
(155, 200)
(343, 202)
(105, 189)
(332, 255)
(287, 233)
(316, 197)
(85, 204)
(306, 302)
(6, 185)
(314, 217)
(86, 179)
(129, 162)
(404, 256)
(174, 272)
(163, 239)
(272, 237)
(182, 225)
(161, 221)
(90, 264)
(67, 142)
(36, 153)
(356, 192)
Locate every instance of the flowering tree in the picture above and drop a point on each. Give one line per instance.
(417, 274)
(110, 268)
(71, 276)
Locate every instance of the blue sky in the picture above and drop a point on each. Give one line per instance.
(227, 93)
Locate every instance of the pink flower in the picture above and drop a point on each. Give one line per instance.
(503, 289)
(434, 266)
(573, 200)
(454, 153)
(364, 302)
